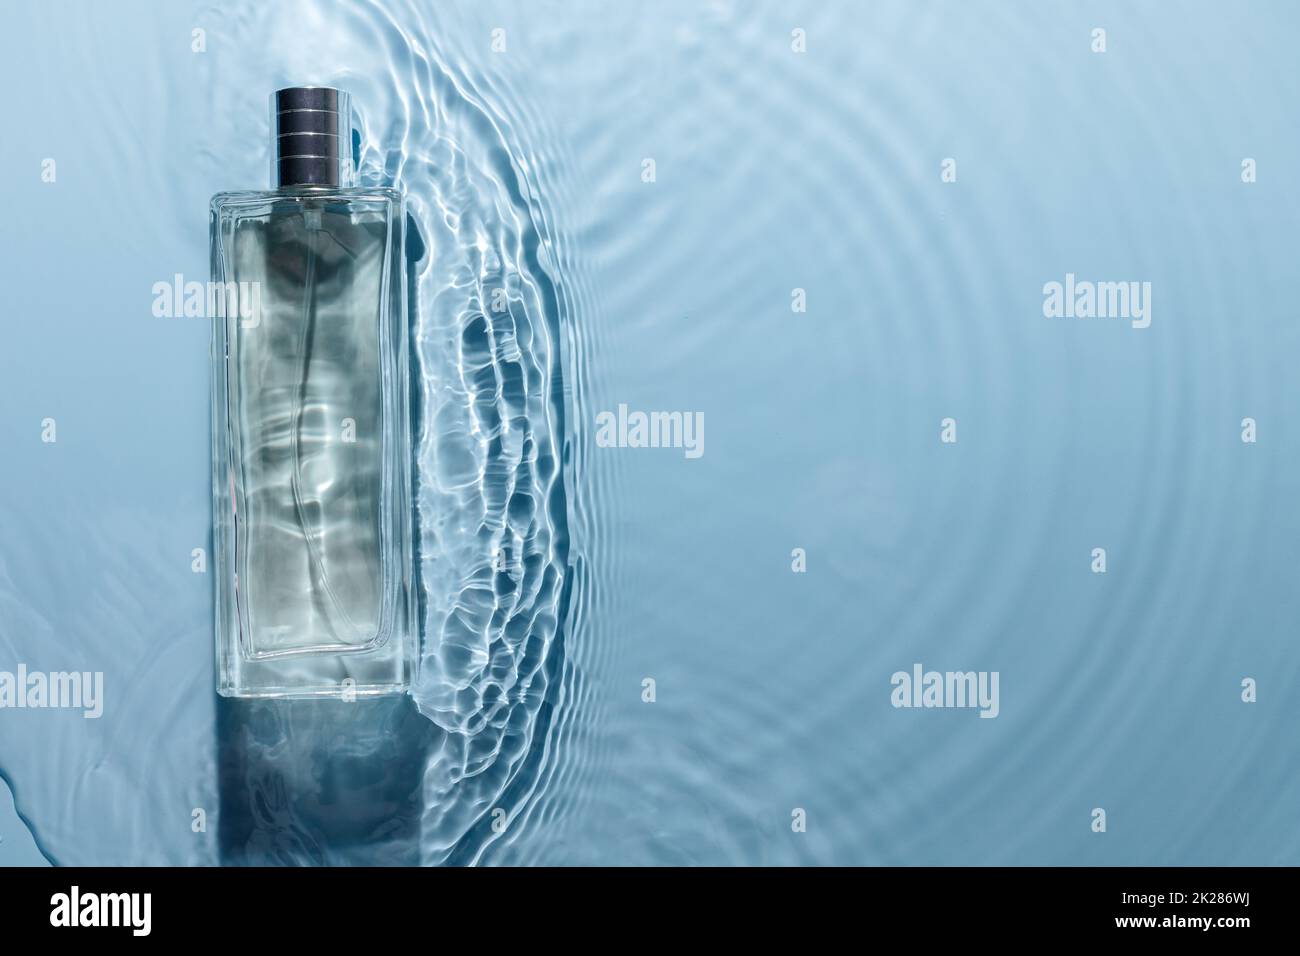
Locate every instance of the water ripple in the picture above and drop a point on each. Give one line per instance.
(492, 345)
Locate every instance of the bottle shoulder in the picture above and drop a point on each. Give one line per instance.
(237, 199)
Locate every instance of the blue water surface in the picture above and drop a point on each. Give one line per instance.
(825, 228)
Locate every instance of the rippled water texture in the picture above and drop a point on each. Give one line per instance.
(492, 502)
(555, 280)
(438, 777)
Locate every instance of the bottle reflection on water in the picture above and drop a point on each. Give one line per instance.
(311, 476)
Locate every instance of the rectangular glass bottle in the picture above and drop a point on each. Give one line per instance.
(312, 510)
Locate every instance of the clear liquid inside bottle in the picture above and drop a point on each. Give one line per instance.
(309, 408)
(313, 419)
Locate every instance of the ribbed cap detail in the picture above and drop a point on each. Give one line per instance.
(313, 137)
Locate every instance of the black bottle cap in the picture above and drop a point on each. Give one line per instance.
(313, 137)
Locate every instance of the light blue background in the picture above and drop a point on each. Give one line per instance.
(775, 170)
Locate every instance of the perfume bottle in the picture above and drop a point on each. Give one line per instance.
(312, 513)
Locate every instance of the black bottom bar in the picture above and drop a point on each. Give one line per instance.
(338, 906)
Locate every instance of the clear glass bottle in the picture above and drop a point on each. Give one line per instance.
(312, 511)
